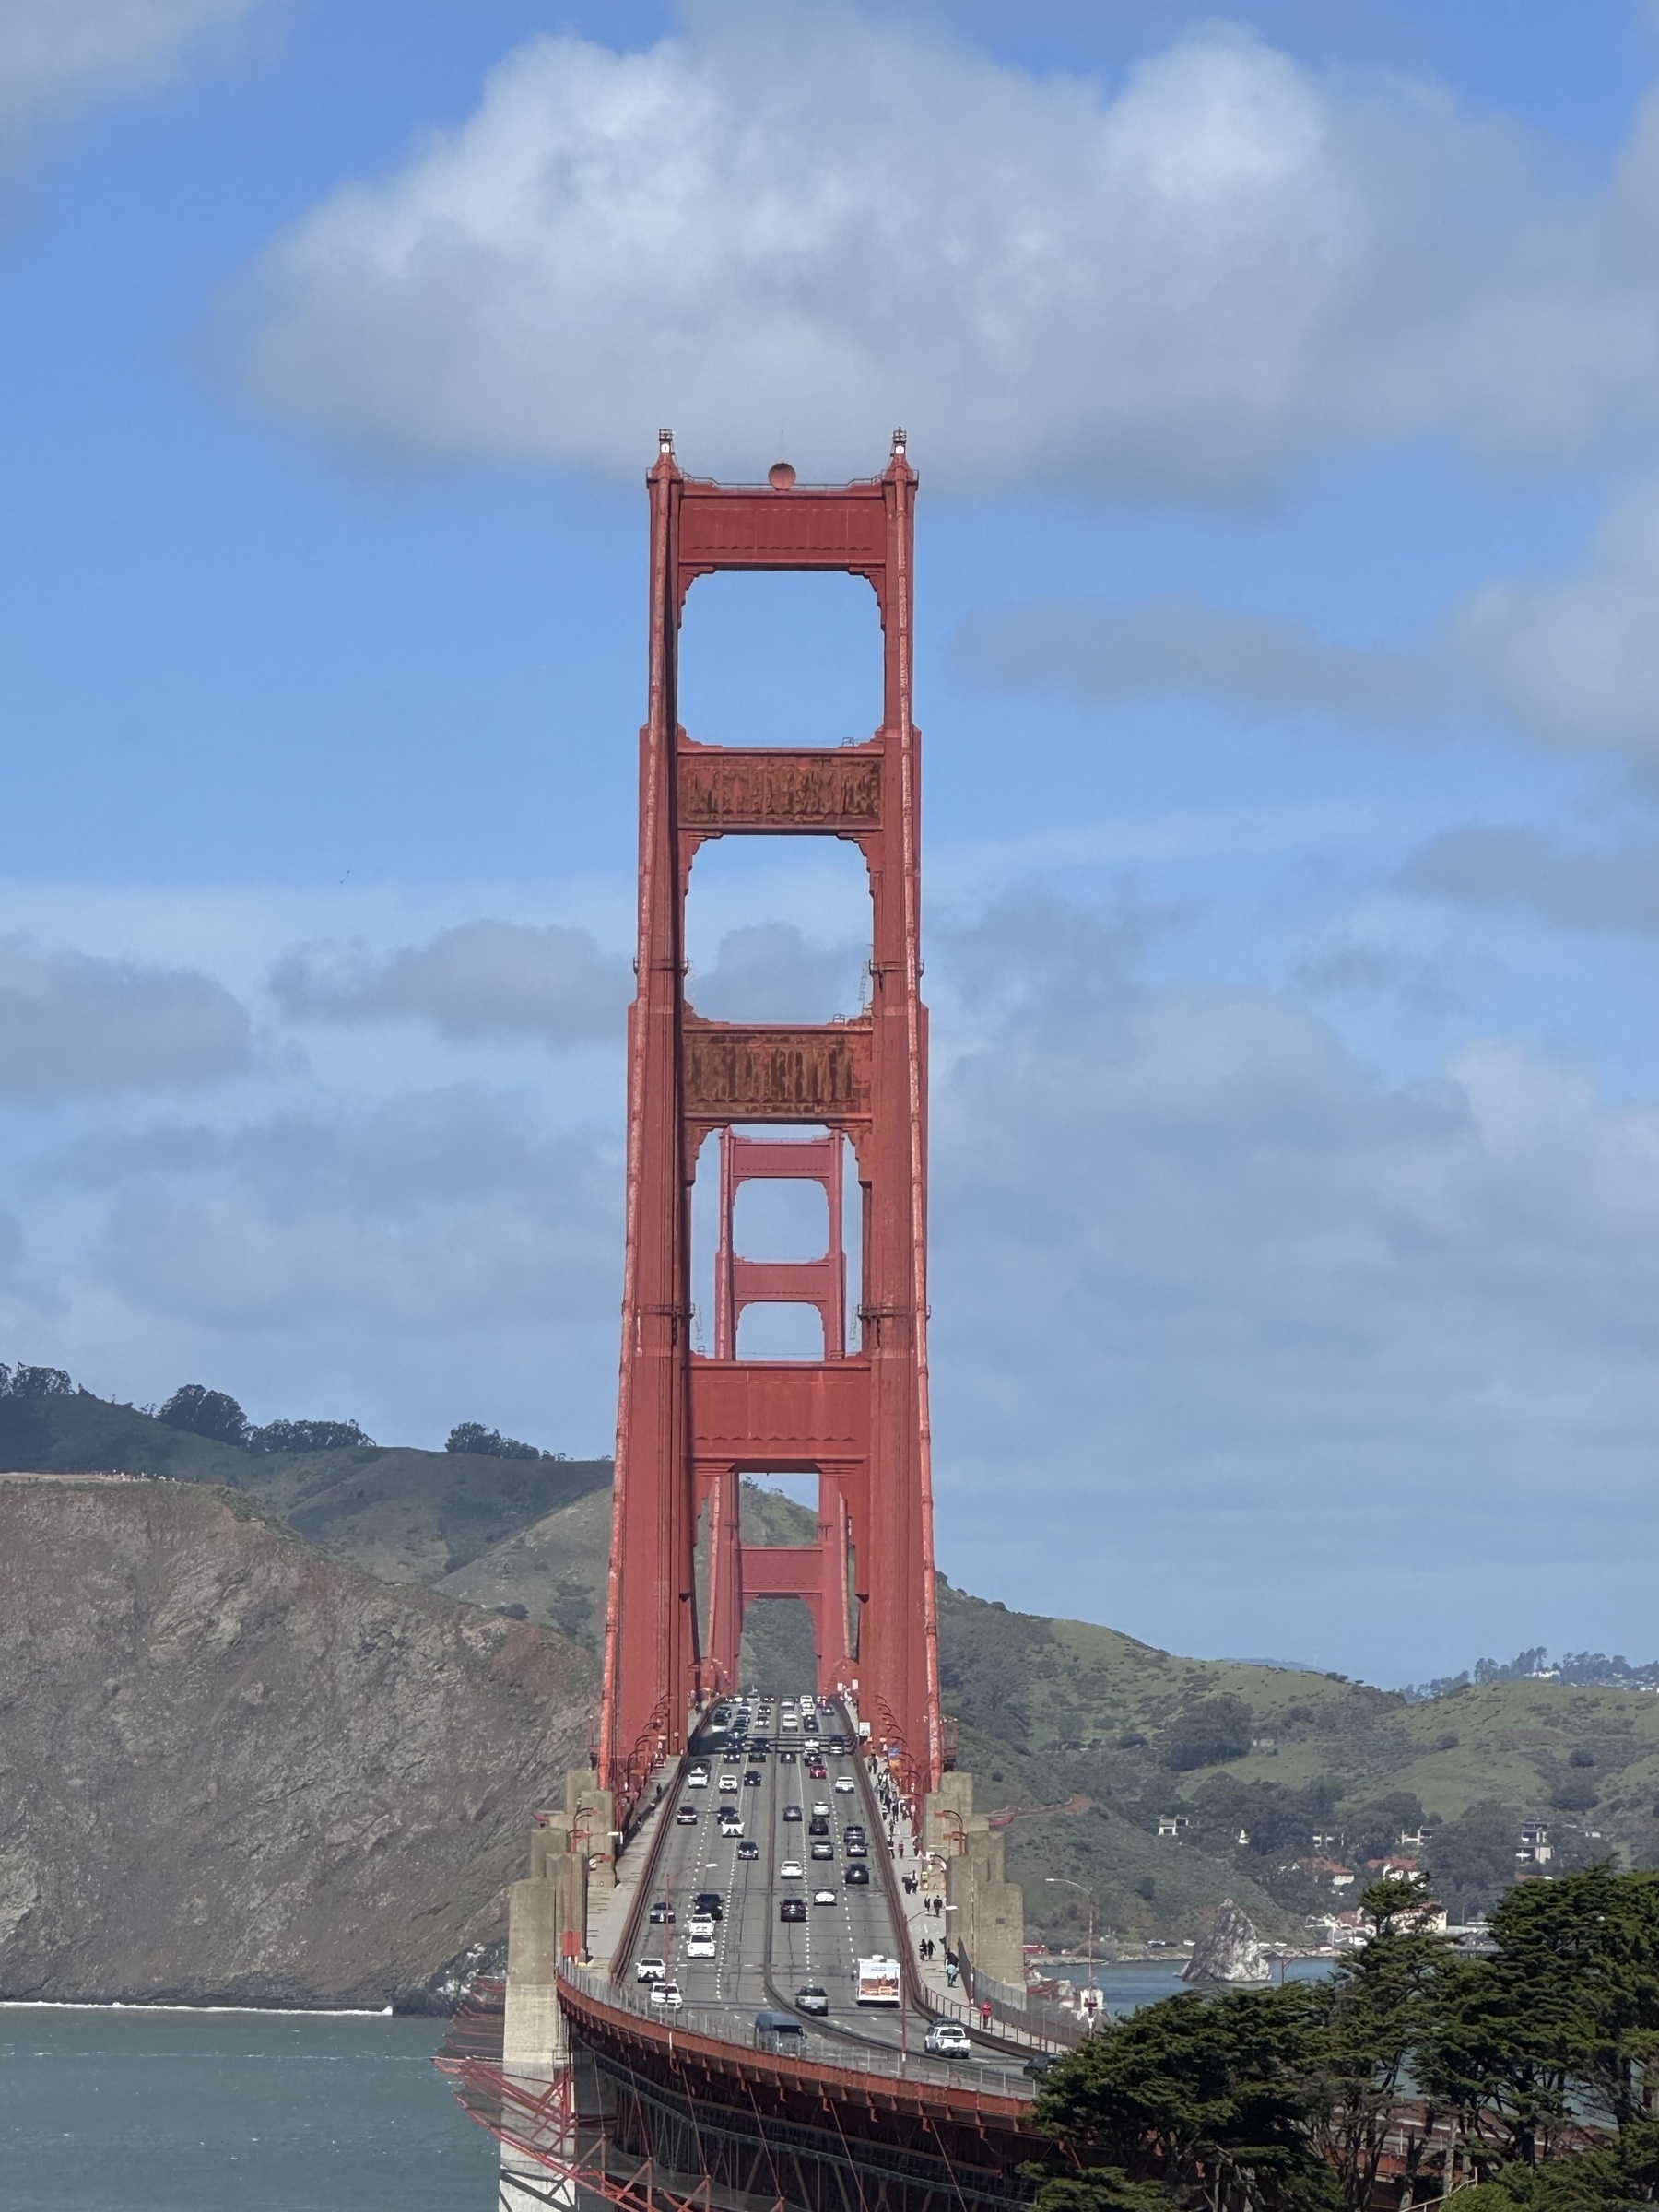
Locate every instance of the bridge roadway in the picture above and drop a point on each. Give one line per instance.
(760, 1961)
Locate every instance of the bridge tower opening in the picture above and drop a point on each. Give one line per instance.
(785, 1101)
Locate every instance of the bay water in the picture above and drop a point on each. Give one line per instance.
(118, 2110)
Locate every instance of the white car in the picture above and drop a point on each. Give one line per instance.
(790, 1870)
(649, 1969)
(701, 1947)
(734, 1827)
(701, 1923)
(667, 1995)
(698, 1779)
(727, 1782)
(823, 1897)
(946, 2039)
(845, 1783)
(820, 1811)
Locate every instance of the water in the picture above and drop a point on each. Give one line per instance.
(1128, 1984)
(190, 2112)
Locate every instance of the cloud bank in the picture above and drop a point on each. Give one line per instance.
(72, 1023)
(58, 56)
(1182, 285)
(479, 979)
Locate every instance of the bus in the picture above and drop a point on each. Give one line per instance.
(878, 1981)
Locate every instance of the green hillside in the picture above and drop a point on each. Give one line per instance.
(1081, 1738)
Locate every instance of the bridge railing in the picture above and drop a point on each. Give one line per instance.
(1040, 2018)
(733, 2024)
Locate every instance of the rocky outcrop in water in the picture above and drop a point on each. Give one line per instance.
(233, 1771)
(1229, 1950)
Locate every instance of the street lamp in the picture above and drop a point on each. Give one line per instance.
(1065, 1882)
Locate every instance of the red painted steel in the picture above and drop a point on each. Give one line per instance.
(689, 1425)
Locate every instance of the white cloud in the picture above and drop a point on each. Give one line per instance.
(57, 56)
(1576, 659)
(1613, 891)
(801, 216)
(1178, 645)
(72, 1023)
(478, 979)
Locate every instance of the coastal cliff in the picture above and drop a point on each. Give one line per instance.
(235, 1771)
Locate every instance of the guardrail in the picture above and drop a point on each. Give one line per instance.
(733, 2025)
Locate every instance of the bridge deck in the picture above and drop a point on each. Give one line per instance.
(761, 1961)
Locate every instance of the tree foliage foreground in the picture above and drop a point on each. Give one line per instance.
(1538, 2064)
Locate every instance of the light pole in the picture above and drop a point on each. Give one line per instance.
(1065, 1882)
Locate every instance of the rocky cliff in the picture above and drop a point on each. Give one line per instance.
(232, 1770)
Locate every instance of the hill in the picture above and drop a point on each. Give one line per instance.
(1085, 1738)
(238, 1771)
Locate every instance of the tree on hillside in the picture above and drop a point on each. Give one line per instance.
(472, 1436)
(1208, 1731)
(203, 1412)
(34, 1382)
(307, 1436)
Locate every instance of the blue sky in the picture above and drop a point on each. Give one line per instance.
(1283, 386)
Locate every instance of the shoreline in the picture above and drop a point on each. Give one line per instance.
(291, 2012)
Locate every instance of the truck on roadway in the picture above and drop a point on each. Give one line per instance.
(877, 1981)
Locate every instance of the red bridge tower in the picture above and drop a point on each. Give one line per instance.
(690, 1425)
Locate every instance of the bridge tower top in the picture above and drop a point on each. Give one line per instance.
(690, 1425)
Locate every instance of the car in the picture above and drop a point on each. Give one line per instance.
(731, 1758)
(792, 1812)
(948, 2039)
(823, 1850)
(686, 1816)
(660, 1914)
(845, 1784)
(814, 1827)
(789, 1870)
(701, 1947)
(786, 1758)
(751, 1781)
(727, 1782)
(668, 1995)
(792, 1908)
(858, 1877)
(711, 1902)
(731, 1826)
(821, 1809)
(823, 1897)
(698, 1779)
(811, 1998)
(748, 1850)
(1040, 2063)
(701, 1923)
(649, 1969)
(855, 1847)
(853, 1830)
(819, 1773)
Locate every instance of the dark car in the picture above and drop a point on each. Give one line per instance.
(792, 1908)
(786, 1759)
(749, 1850)
(856, 1847)
(858, 1877)
(821, 1850)
(817, 1826)
(811, 1998)
(853, 1828)
(751, 1781)
(1038, 2063)
(792, 1812)
(686, 1816)
(711, 1902)
(661, 1914)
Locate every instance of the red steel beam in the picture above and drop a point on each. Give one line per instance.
(688, 1427)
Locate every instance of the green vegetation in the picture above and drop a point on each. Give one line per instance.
(1539, 2063)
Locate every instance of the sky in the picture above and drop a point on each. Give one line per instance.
(1284, 386)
